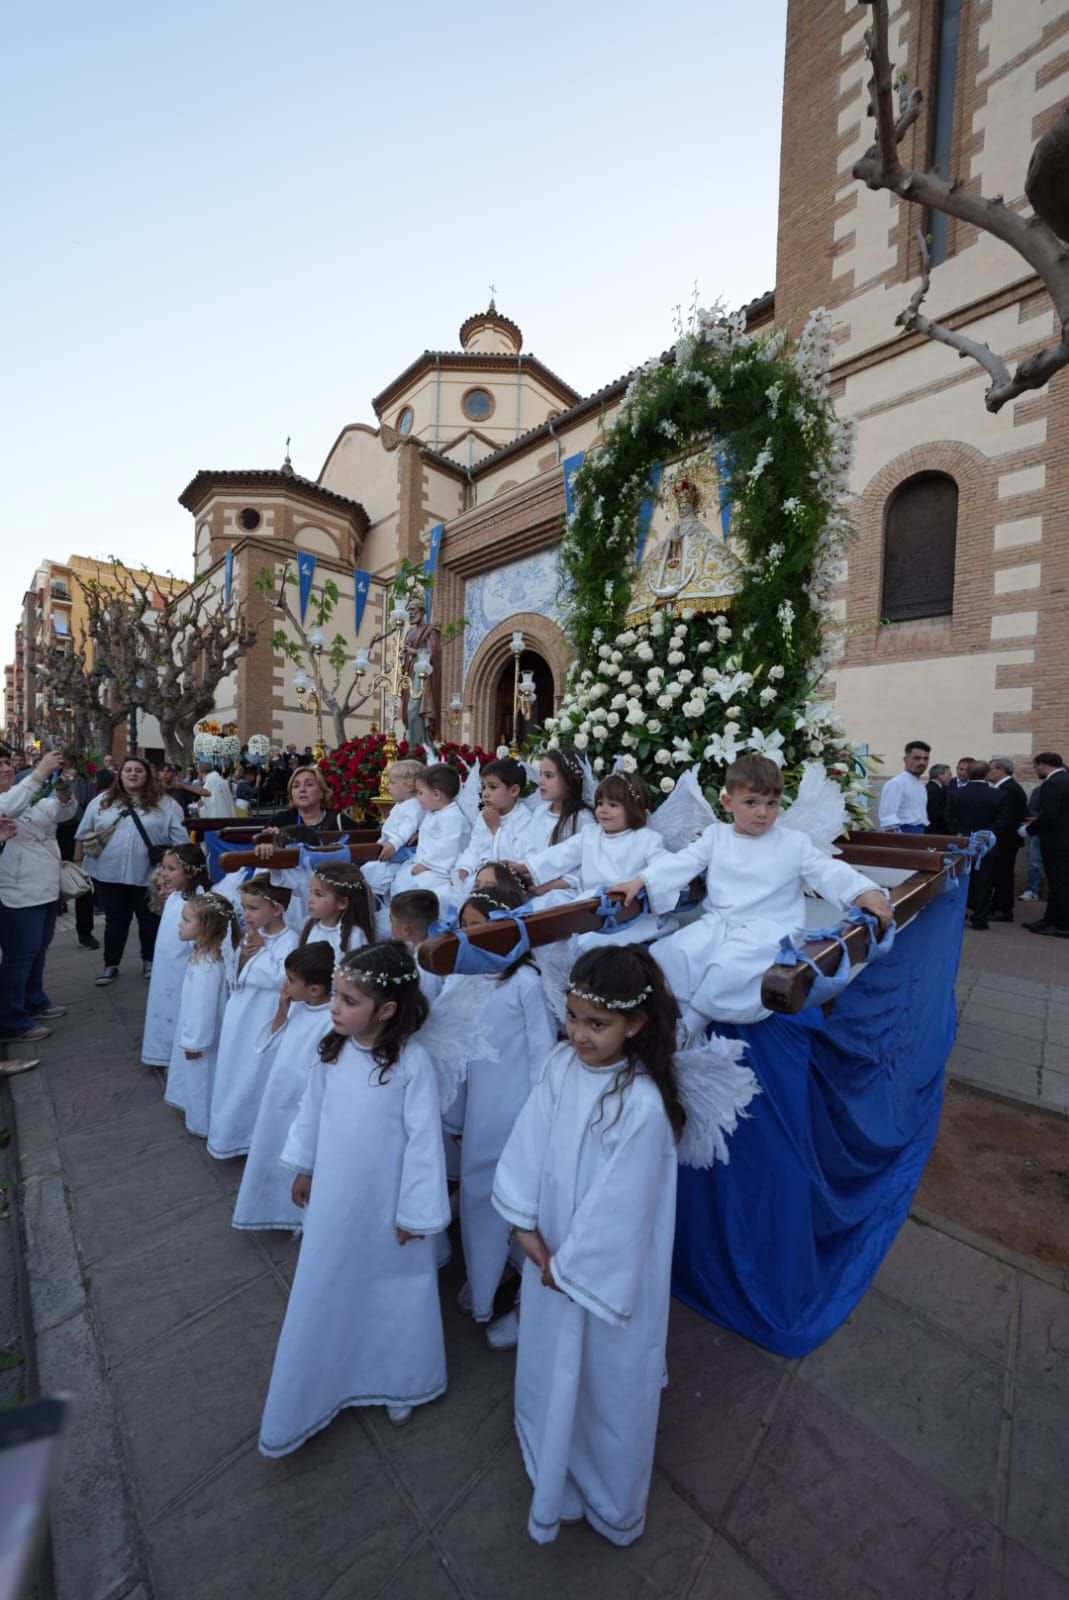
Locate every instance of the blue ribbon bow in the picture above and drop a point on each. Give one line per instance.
(309, 857)
(609, 910)
(827, 985)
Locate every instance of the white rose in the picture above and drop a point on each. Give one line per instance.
(653, 725)
(686, 676)
(767, 696)
(627, 739)
(635, 716)
(604, 651)
(599, 764)
(663, 757)
(627, 677)
(618, 702)
(665, 702)
(675, 690)
(612, 718)
(580, 740)
(667, 785)
(676, 658)
(709, 674)
(610, 669)
(733, 711)
(705, 647)
(687, 613)
(644, 652)
(617, 656)
(626, 638)
(775, 672)
(628, 764)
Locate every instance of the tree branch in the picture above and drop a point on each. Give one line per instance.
(882, 168)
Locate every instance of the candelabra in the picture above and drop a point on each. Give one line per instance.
(395, 680)
(523, 691)
(456, 706)
(309, 689)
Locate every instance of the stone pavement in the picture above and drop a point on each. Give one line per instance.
(921, 1452)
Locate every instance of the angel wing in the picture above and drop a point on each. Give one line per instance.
(455, 1034)
(715, 1088)
(685, 814)
(470, 794)
(555, 962)
(818, 809)
(589, 782)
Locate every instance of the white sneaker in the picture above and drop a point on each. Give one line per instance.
(146, 969)
(14, 1064)
(1029, 894)
(504, 1334)
(398, 1415)
(464, 1299)
(108, 975)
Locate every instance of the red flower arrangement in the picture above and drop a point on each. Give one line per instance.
(354, 769)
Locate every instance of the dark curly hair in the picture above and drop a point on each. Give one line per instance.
(617, 976)
(348, 883)
(385, 971)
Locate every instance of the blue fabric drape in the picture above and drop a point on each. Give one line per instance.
(782, 1243)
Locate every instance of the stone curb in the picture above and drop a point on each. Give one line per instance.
(94, 1542)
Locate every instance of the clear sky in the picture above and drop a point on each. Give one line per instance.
(231, 221)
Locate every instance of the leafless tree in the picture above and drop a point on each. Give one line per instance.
(896, 108)
(80, 702)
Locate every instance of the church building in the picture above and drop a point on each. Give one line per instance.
(954, 599)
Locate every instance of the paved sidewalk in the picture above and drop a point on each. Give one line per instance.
(922, 1452)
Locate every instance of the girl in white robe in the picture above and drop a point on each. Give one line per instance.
(515, 1014)
(181, 873)
(363, 1324)
(757, 869)
(291, 1040)
(241, 1070)
(588, 1179)
(341, 910)
(559, 811)
(590, 859)
(208, 926)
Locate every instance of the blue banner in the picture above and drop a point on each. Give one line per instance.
(724, 466)
(645, 512)
(228, 577)
(361, 585)
(431, 562)
(306, 566)
(572, 466)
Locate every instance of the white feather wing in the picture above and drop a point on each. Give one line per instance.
(818, 809)
(589, 781)
(470, 794)
(684, 814)
(715, 1087)
(454, 1035)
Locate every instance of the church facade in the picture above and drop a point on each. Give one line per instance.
(954, 597)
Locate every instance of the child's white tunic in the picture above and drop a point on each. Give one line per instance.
(592, 859)
(400, 828)
(200, 1022)
(754, 896)
(318, 934)
(363, 1326)
(543, 821)
(165, 986)
(264, 1197)
(242, 1070)
(442, 836)
(507, 843)
(515, 1014)
(601, 1190)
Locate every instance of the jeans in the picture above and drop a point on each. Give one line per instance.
(120, 903)
(1035, 863)
(25, 935)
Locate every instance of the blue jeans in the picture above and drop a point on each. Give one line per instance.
(25, 935)
(1035, 863)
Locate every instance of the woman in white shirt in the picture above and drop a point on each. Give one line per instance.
(29, 893)
(133, 814)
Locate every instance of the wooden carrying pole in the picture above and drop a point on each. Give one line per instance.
(284, 856)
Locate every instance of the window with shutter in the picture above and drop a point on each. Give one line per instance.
(920, 535)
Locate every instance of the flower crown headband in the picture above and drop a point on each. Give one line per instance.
(379, 980)
(216, 902)
(329, 875)
(487, 897)
(628, 785)
(611, 1005)
(265, 894)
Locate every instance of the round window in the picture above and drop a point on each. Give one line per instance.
(404, 421)
(249, 519)
(477, 404)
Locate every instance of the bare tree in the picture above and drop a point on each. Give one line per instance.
(1033, 237)
(92, 709)
(332, 653)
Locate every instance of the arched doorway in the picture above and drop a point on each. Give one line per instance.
(538, 667)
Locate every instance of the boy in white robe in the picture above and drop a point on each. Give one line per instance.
(756, 873)
(501, 829)
(443, 833)
(399, 827)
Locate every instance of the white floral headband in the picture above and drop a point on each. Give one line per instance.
(215, 902)
(380, 980)
(612, 1005)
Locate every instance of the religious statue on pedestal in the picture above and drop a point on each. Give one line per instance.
(421, 710)
(689, 565)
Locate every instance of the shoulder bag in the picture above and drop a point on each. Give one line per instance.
(73, 882)
(156, 852)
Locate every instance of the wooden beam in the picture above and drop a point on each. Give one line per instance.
(290, 856)
(543, 927)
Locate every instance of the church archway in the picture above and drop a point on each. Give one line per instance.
(545, 655)
(508, 729)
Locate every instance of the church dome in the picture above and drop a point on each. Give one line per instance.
(489, 333)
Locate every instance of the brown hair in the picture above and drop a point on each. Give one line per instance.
(385, 971)
(215, 915)
(616, 977)
(416, 905)
(570, 768)
(442, 778)
(756, 773)
(277, 893)
(629, 790)
(348, 883)
(151, 794)
(192, 860)
(324, 786)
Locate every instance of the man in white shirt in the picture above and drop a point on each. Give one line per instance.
(904, 798)
(216, 798)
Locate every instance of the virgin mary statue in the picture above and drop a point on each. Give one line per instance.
(689, 565)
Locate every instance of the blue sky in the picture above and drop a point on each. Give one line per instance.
(231, 222)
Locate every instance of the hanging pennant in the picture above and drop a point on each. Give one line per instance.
(431, 562)
(228, 577)
(306, 565)
(361, 585)
(724, 464)
(645, 512)
(571, 467)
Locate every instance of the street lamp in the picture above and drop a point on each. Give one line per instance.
(394, 679)
(456, 706)
(523, 691)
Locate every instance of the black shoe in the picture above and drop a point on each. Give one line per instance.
(89, 943)
(979, 926)
(1000, 916)
(1048, 931)
(1037, 927)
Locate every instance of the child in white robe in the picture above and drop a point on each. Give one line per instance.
(209, 928)
(341, 910)
(588, 1180)
(560, 810)
(241, 1071)
(443, 833)
(515, 1014)
(756, 872)
(181, 873)
(400, 827)
(291, 1039)
(621, 845)
(363, 1324)
(411, 914)
(501, 828)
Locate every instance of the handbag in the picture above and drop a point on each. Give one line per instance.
(93, 842)
(156, 852)
(73, 882)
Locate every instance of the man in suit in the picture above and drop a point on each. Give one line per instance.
(961, 772)
(938, 784)
(1051, 823)
(1007, 834)
(970, 809)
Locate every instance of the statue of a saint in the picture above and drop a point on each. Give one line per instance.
(689, 565)
(421, 704)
